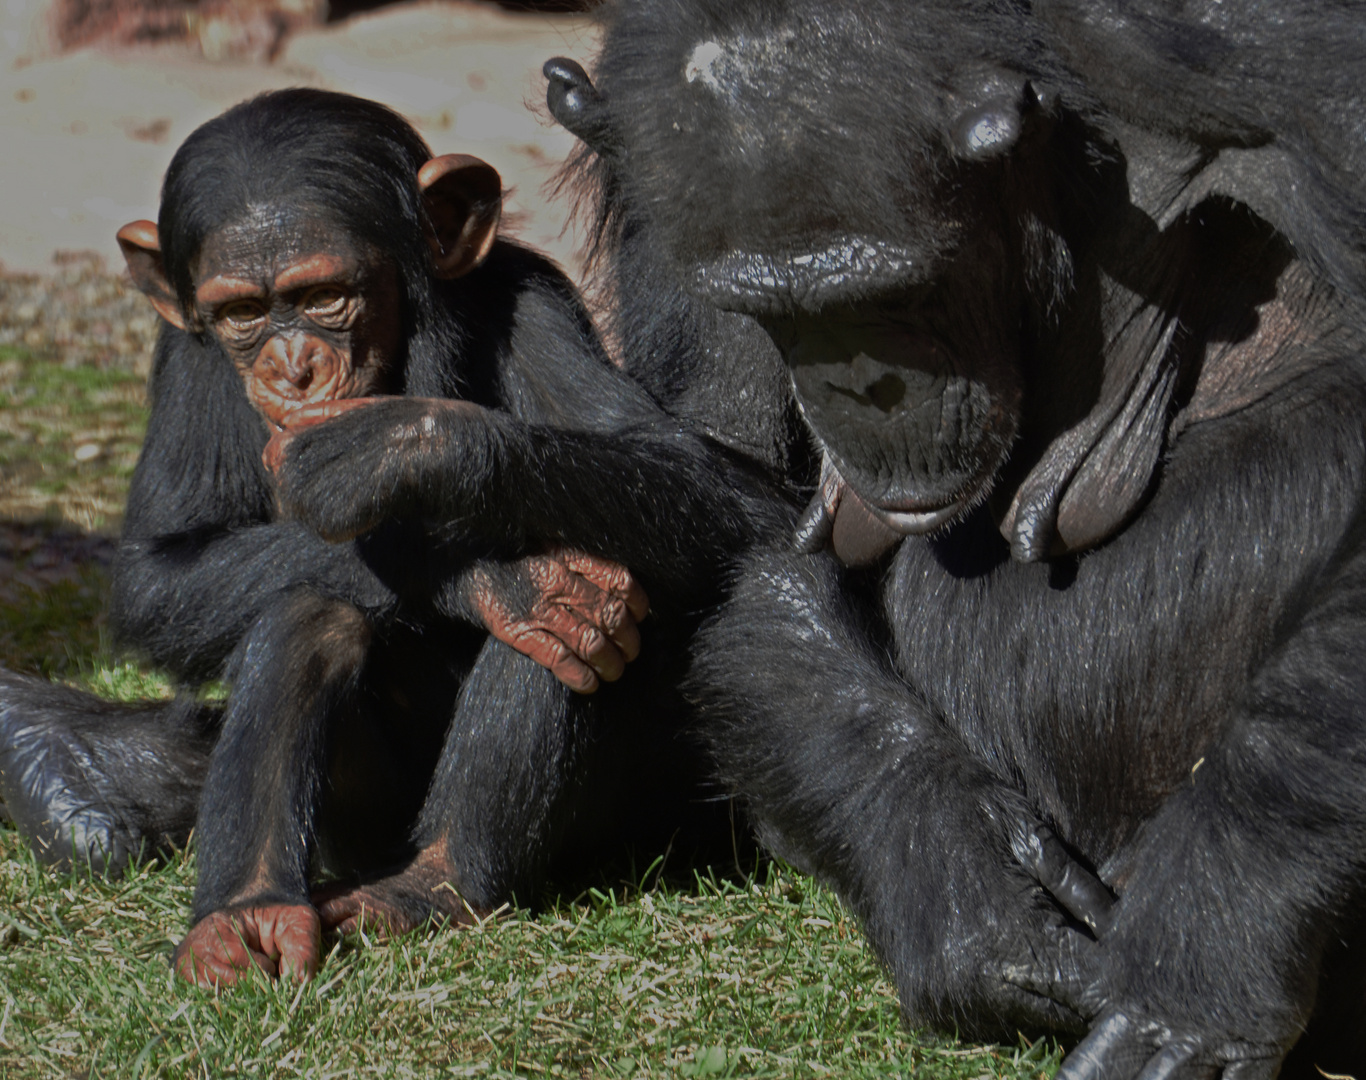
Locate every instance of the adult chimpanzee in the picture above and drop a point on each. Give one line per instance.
(1080, 344)
(309, 260)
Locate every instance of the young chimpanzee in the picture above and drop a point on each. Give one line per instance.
(378, 431)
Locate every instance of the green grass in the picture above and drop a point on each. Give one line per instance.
(764, 976)
(69, 439)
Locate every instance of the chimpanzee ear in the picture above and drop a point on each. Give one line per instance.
(142, 252)
(992, 117)
(577, 105)
(464, 198)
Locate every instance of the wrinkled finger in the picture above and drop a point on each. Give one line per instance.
(588, 643)
(585, 641)
(293, 936)
(333, 910)
(616, 621)
(273, 456)
(593, 606)
(814, 527)
(1081, 894)
(318, 412)
(608, 576)
(1169, 1062)
(553, 655)
(1262, 1068)
(1098, 1056)
(216, 952)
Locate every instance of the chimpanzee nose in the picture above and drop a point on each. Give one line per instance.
(293, 356)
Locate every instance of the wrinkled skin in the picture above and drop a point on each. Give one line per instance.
(306, 319)
(280, 941)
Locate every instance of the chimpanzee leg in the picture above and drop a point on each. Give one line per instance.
(509, 779)
(294, 680)
(92, 780)
(294, 677)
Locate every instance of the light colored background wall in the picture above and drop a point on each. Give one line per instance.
(86, 136)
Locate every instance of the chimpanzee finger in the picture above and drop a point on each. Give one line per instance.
(1060, 973)
(816, 526)
(1262, 1068)
(586, 640)
(603, 595)
(218, 951)
(554, 655)
(306, 416)
(608, 576)
(317, 412)
(291, 934)
(592, 613)
(1081, 894)
(273, 456)
(1097, 1057)
(1169, 1062)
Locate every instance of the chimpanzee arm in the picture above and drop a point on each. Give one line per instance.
(202, 555)
(1264, 844)
(576, 454)
(852, 777)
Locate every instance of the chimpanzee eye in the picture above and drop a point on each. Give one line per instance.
(326, 303)
(241, 315)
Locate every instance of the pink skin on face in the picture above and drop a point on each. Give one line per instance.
(307, 318)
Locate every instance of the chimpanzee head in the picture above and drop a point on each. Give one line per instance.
(862, 180)
(302, 231)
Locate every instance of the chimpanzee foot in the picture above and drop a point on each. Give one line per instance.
(421, 894)
(281, 940)
(51, 790)
(1121, 1047)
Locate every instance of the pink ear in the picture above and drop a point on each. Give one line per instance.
(142, 252)
(464, 198)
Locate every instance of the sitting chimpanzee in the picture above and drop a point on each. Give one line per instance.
(441, 416)
(1070, 299)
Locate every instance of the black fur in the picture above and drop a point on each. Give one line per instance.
(369, 714)
(1135, 642)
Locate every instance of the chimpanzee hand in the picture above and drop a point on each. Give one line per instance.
(1054, 964)
(990, 948)
(1124, 1044)
(307, 416)
(278, 939)
(1171, 1001)
(570, 612)
(344, 466)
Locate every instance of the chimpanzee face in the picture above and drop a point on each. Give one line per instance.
(846, 191)
(306, 314)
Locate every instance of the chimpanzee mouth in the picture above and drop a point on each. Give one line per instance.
(916, 522)
(912, 432)
(861, 532)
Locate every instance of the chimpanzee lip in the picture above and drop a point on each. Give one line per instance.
(912, 517)
(916, 522)
(847, 268)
